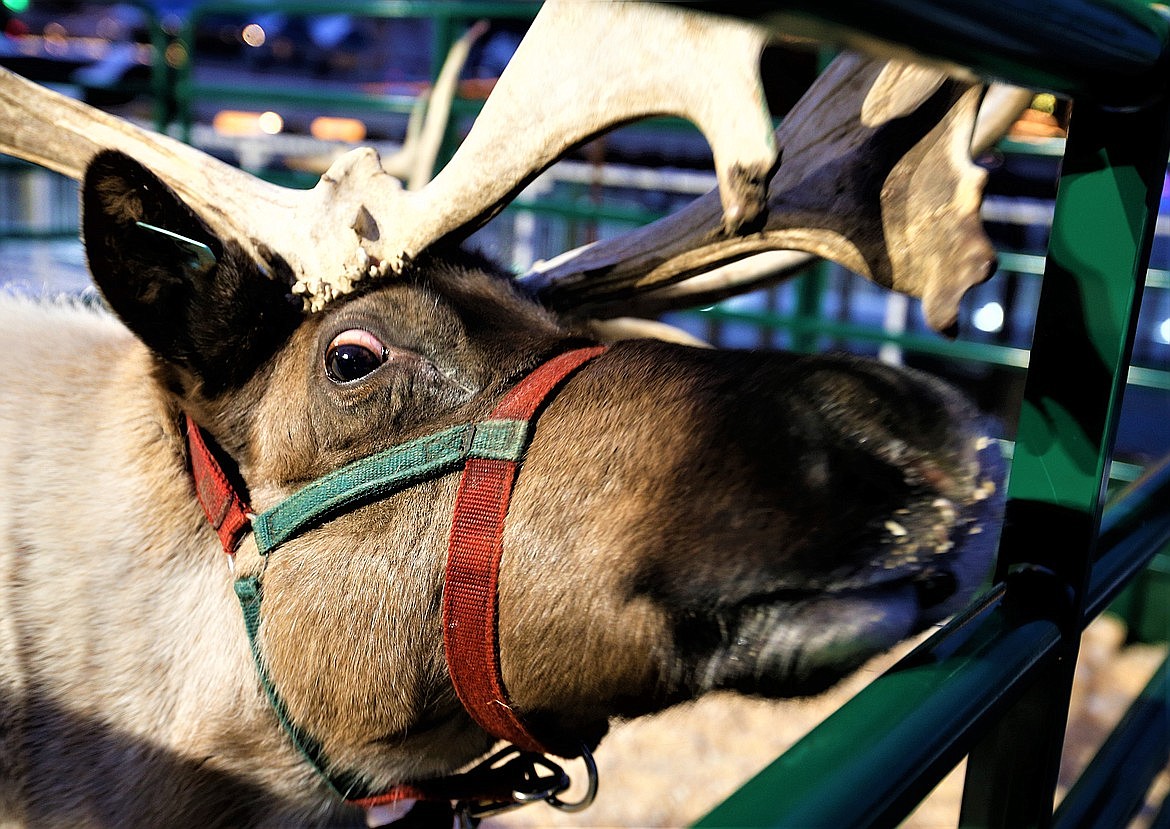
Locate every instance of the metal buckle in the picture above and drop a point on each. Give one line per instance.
(532, 778)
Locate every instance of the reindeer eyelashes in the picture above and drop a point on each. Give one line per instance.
(354, 354)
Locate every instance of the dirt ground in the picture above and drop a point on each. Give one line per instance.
(671, 769)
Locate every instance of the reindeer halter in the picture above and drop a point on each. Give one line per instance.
(490, 453)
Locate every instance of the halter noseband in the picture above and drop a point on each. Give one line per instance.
(490, 453)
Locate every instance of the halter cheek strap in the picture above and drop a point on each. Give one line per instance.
(475, 549)
(490, 453)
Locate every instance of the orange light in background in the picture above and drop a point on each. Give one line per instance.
(253, 35)
(326, 128)
(240, 124)
(176, 55)
(236, 123)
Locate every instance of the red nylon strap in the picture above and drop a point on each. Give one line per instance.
(222, 506)
(401, 791)
(470, 613)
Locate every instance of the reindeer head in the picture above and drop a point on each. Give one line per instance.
(684, 520)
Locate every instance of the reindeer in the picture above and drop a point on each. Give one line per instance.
(323, 506)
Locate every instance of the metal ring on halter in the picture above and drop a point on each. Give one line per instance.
(537, 788)
(591, 790)
(528, 784)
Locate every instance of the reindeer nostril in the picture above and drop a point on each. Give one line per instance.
(934, 588)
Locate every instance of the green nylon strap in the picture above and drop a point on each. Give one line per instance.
(370, 478)
(387, 472)
(248, 591)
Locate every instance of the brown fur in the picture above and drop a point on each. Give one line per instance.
(685, 520)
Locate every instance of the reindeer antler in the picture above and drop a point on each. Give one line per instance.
(633, 293)
(875, 172)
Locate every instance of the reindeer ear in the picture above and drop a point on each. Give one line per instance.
(196, 300)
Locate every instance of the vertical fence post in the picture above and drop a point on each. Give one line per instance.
(182, 77)
(1106, 207)
(160, 71)
(810, 301)
(446, 32)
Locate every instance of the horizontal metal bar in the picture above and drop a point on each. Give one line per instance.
(570, 210)
(633, 176)
(33, 235)
(888, 746)
(1114, 51)
(1028, 263)
(991, 353)
(1150, 378)
(1157, 277)
(977, 352)
(271, 96)
(1033, 265)
(1122, 471)
(1133, 529)
(1143, 499)
(1119, 471)
(1115, 783)
(443, 9)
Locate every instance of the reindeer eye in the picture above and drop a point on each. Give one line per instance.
(352, 355)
